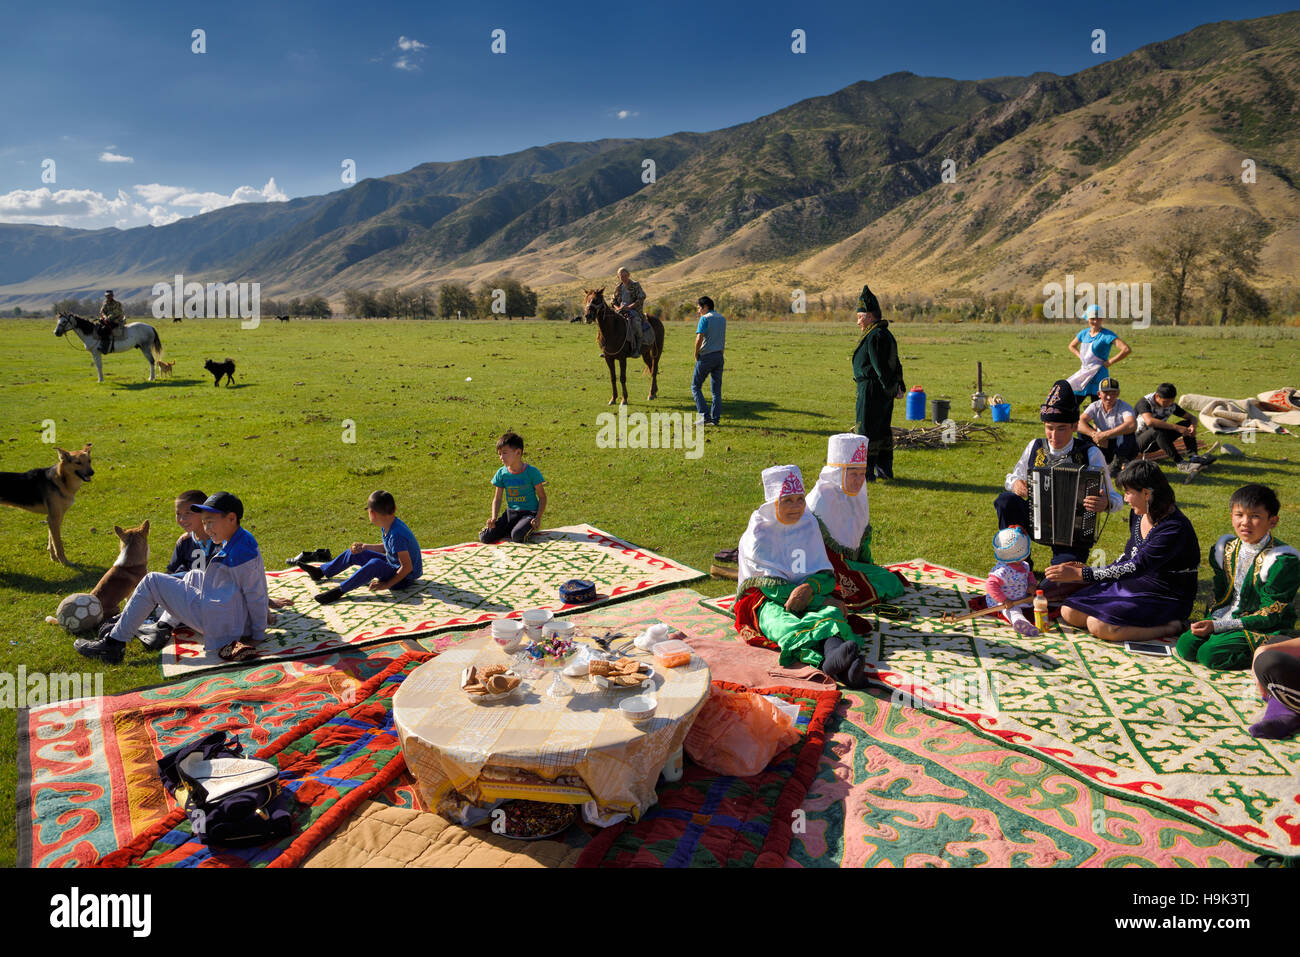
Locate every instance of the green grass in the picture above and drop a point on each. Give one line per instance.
(427, 435)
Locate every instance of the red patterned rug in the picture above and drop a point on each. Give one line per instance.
(712, 820)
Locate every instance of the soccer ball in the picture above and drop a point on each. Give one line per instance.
(80, 612)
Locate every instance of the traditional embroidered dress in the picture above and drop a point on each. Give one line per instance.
(1154, 581)
(879, 376)
(845, 521)
(775, 559)
(1254, 586)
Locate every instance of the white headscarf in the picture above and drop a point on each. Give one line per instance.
(845, 516)
(772, 549)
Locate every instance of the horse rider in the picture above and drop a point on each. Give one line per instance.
(628, 301)
(111, 318)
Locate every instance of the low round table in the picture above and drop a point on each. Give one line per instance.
(572, 750)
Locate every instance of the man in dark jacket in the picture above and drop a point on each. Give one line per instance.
(879, 376)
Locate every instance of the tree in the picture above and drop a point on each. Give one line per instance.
(1233, 261)
(454, 299)
(1174, 257)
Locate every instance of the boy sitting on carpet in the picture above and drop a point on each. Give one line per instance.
(227, 600)
(786, 595)
(1256, 576)
(524, 491)
(394, 563)
(193, 551)
(839, 503)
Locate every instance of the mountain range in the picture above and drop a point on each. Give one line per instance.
(1047, 175)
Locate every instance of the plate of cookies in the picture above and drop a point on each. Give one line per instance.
(489, 683)
(620, 674)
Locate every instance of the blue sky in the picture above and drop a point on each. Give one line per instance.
(141, 129)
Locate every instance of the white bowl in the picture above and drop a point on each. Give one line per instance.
(508, 633)
(639, 709)
(560, 629)
(501, 696)
(534, 620)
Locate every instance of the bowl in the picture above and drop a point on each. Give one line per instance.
(508, 633)
(640, 709)
(560, 629)
(534, 620)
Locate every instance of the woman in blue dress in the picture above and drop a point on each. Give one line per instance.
(1146, 595)
(1092, 346)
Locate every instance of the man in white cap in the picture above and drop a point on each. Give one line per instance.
(786, 596)
(839, 503)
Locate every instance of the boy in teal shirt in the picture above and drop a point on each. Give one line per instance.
(522, 487)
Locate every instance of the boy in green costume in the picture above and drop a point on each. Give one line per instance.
(1256, 576)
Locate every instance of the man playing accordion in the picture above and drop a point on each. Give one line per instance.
(1059, 446)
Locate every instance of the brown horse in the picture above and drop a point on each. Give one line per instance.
(612, 337)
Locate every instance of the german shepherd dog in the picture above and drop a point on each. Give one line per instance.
(219, 369)
(132, 562)
(49, 492)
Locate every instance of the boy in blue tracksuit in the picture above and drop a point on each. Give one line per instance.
(394, 562)
(227, 601)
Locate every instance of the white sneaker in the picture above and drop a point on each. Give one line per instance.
(700, 420)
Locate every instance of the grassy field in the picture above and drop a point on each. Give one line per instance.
(427, 401)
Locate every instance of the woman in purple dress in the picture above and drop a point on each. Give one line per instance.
(1148, 593)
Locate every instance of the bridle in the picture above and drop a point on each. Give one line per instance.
(602, 309)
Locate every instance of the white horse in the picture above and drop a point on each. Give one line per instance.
(139, 335)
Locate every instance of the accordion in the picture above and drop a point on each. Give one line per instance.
(1056, 504)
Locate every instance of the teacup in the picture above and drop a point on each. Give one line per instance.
(560, 629)
(508, 633)
(534, 620)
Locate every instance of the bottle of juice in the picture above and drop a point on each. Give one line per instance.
(1040, 610)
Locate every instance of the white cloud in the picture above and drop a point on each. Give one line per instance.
(61, 207)
(107, 157)
(624, 114)
(159, 205)
(411, 53)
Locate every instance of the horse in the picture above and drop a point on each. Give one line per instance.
(612, 338)
(139, 335)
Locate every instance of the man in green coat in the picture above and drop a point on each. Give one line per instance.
(879, 376)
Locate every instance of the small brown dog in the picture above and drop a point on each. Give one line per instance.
(132, 562)
(49, 492)
(164, 368)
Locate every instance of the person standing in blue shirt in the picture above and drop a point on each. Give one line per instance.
(1092, 346)
(394, 563)
(522, 487)
(710, 339)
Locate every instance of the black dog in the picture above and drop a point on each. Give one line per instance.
(282, 318)
(219, 369)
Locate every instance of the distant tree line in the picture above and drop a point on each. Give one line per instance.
(503, 297)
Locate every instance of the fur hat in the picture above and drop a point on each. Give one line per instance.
(868, 303)
(1061, 405)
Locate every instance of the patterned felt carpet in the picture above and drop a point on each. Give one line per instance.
(894, 786)
(462, 586)
(1168, 734)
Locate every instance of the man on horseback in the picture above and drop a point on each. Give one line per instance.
(111, 318)
(628, 301)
